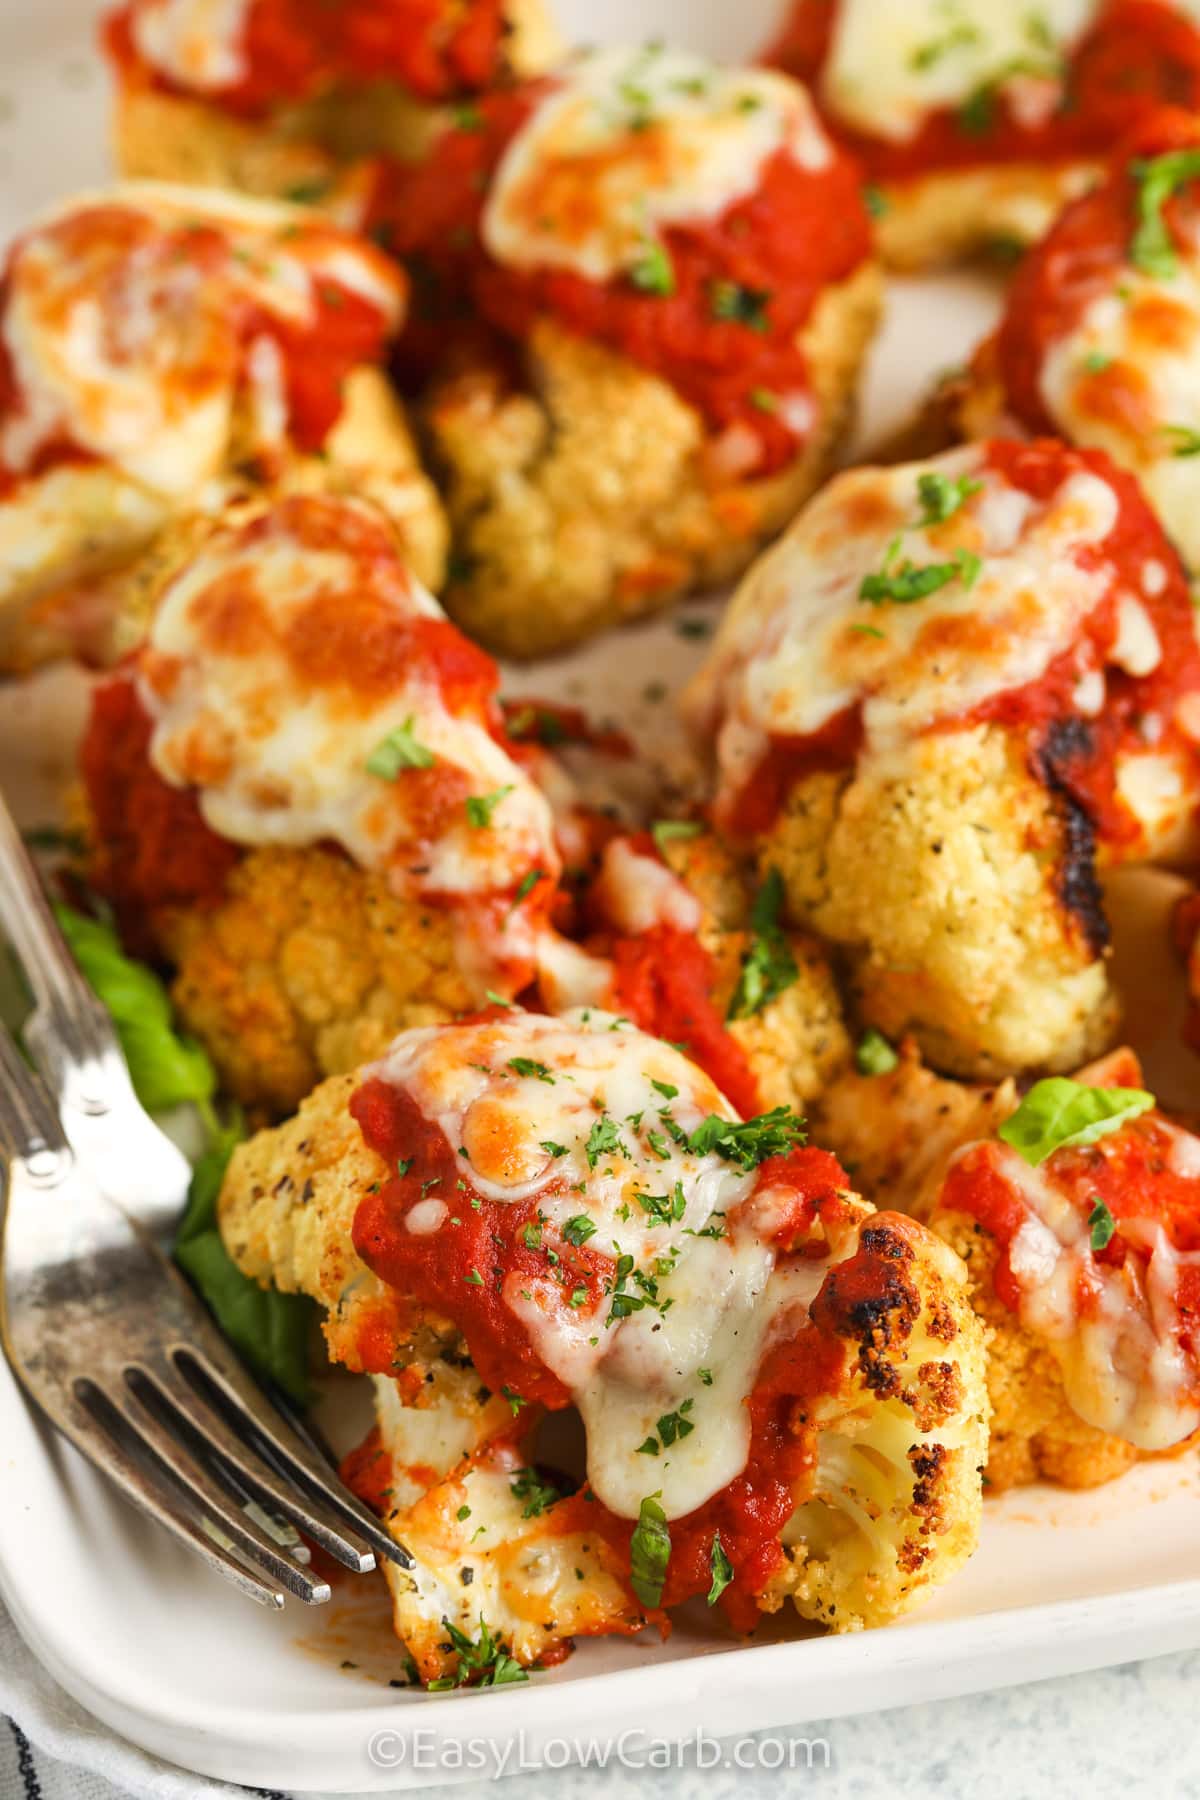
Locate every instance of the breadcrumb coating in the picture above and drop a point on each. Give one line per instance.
(963, 894)
(585, 498)
(928, 221)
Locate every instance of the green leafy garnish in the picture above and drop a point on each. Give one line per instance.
(578, 1230)
(553, 1149)
(166, 1068)
(740, 305)
(653, 272)
(751, 1141)
(721, 1568)
(941, 498)
(482, 1663)
(538, 1495)
(665, 1089)
(875, 200)
(1103, 1225)
(602, 1138)
(534, 1071)
(650, 1551)
(676, 1425)
(873, 1054)
(1187, 441)
(526, 887)
(666, 1208)
(674, 831)
(271, 1330)
(1058, 1113)
(399, 750)
(768, 965)
(900, 584)
(1156, 179)
(1096, 361)
(480, 807)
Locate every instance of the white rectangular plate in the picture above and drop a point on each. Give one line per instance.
(165, 1653)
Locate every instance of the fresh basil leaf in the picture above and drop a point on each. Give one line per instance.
(721, 1568)
(1058, 1113)
(271, 1330)
(650, 1551)
(167, 1069)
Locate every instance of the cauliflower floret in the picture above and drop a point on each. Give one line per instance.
(894, 1132)
(309, 966)
(963, 890)
(874, 1394)
(585, 500)
(310, 150)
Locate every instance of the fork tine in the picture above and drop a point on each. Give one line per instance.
(198, 1419)
(97, 1434)
(158, 1440)
(220, 1382)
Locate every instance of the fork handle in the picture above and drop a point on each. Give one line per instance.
(29, 1122)
(70, 1029)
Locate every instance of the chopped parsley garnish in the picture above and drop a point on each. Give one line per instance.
(515, 1401)
(768, 965)
(764, 401)
(495, 999)
(535, 1071)
(1103, 1225)
(480, 807)
(404, 1165)
(650, 1551)
(740, 305)
(1187, 441)
(649, 1447)
(538, 725)
(399, 750)
(464, 1512)
(666, 1208)
(539, 1496)
(751, 1141)
(941, 498)
(1156, 179)
(721, 1569)
(1096, 361)
(958, 34)
(1056, 1114)
(553, 1149)
(673, 1426)
(653, 272)
(673, 831)
(603, 1137)
(578, 1230)
(531, 1237)
(875, 200)
(474, 1279)
(665, 1089)
(659, 1145)
(579, 1296)
(528, 883)
(705, 1376)
(900, 584)
(482, 1663)
(873, 1054)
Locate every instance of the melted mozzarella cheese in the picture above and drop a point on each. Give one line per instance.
(1126, 379)
(890, 66)
(197, 44)
(129, 343)
(636, 892)
(727, 1296)
(278, 754)
(799, 645)
(630, 142)
(1123, 1366)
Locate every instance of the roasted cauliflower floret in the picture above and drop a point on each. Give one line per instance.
(975, 128)
(896, 1495)
(592, 495)
(681, 943)
(306, 967)
(927, 705)
(810, 1424)
(173, 352)
(933, 870)
(301, 795)
(200, 102)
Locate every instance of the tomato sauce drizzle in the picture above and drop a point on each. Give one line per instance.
(1138, 56)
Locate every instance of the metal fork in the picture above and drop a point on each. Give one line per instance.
(112, 1344)
(72, 1037)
